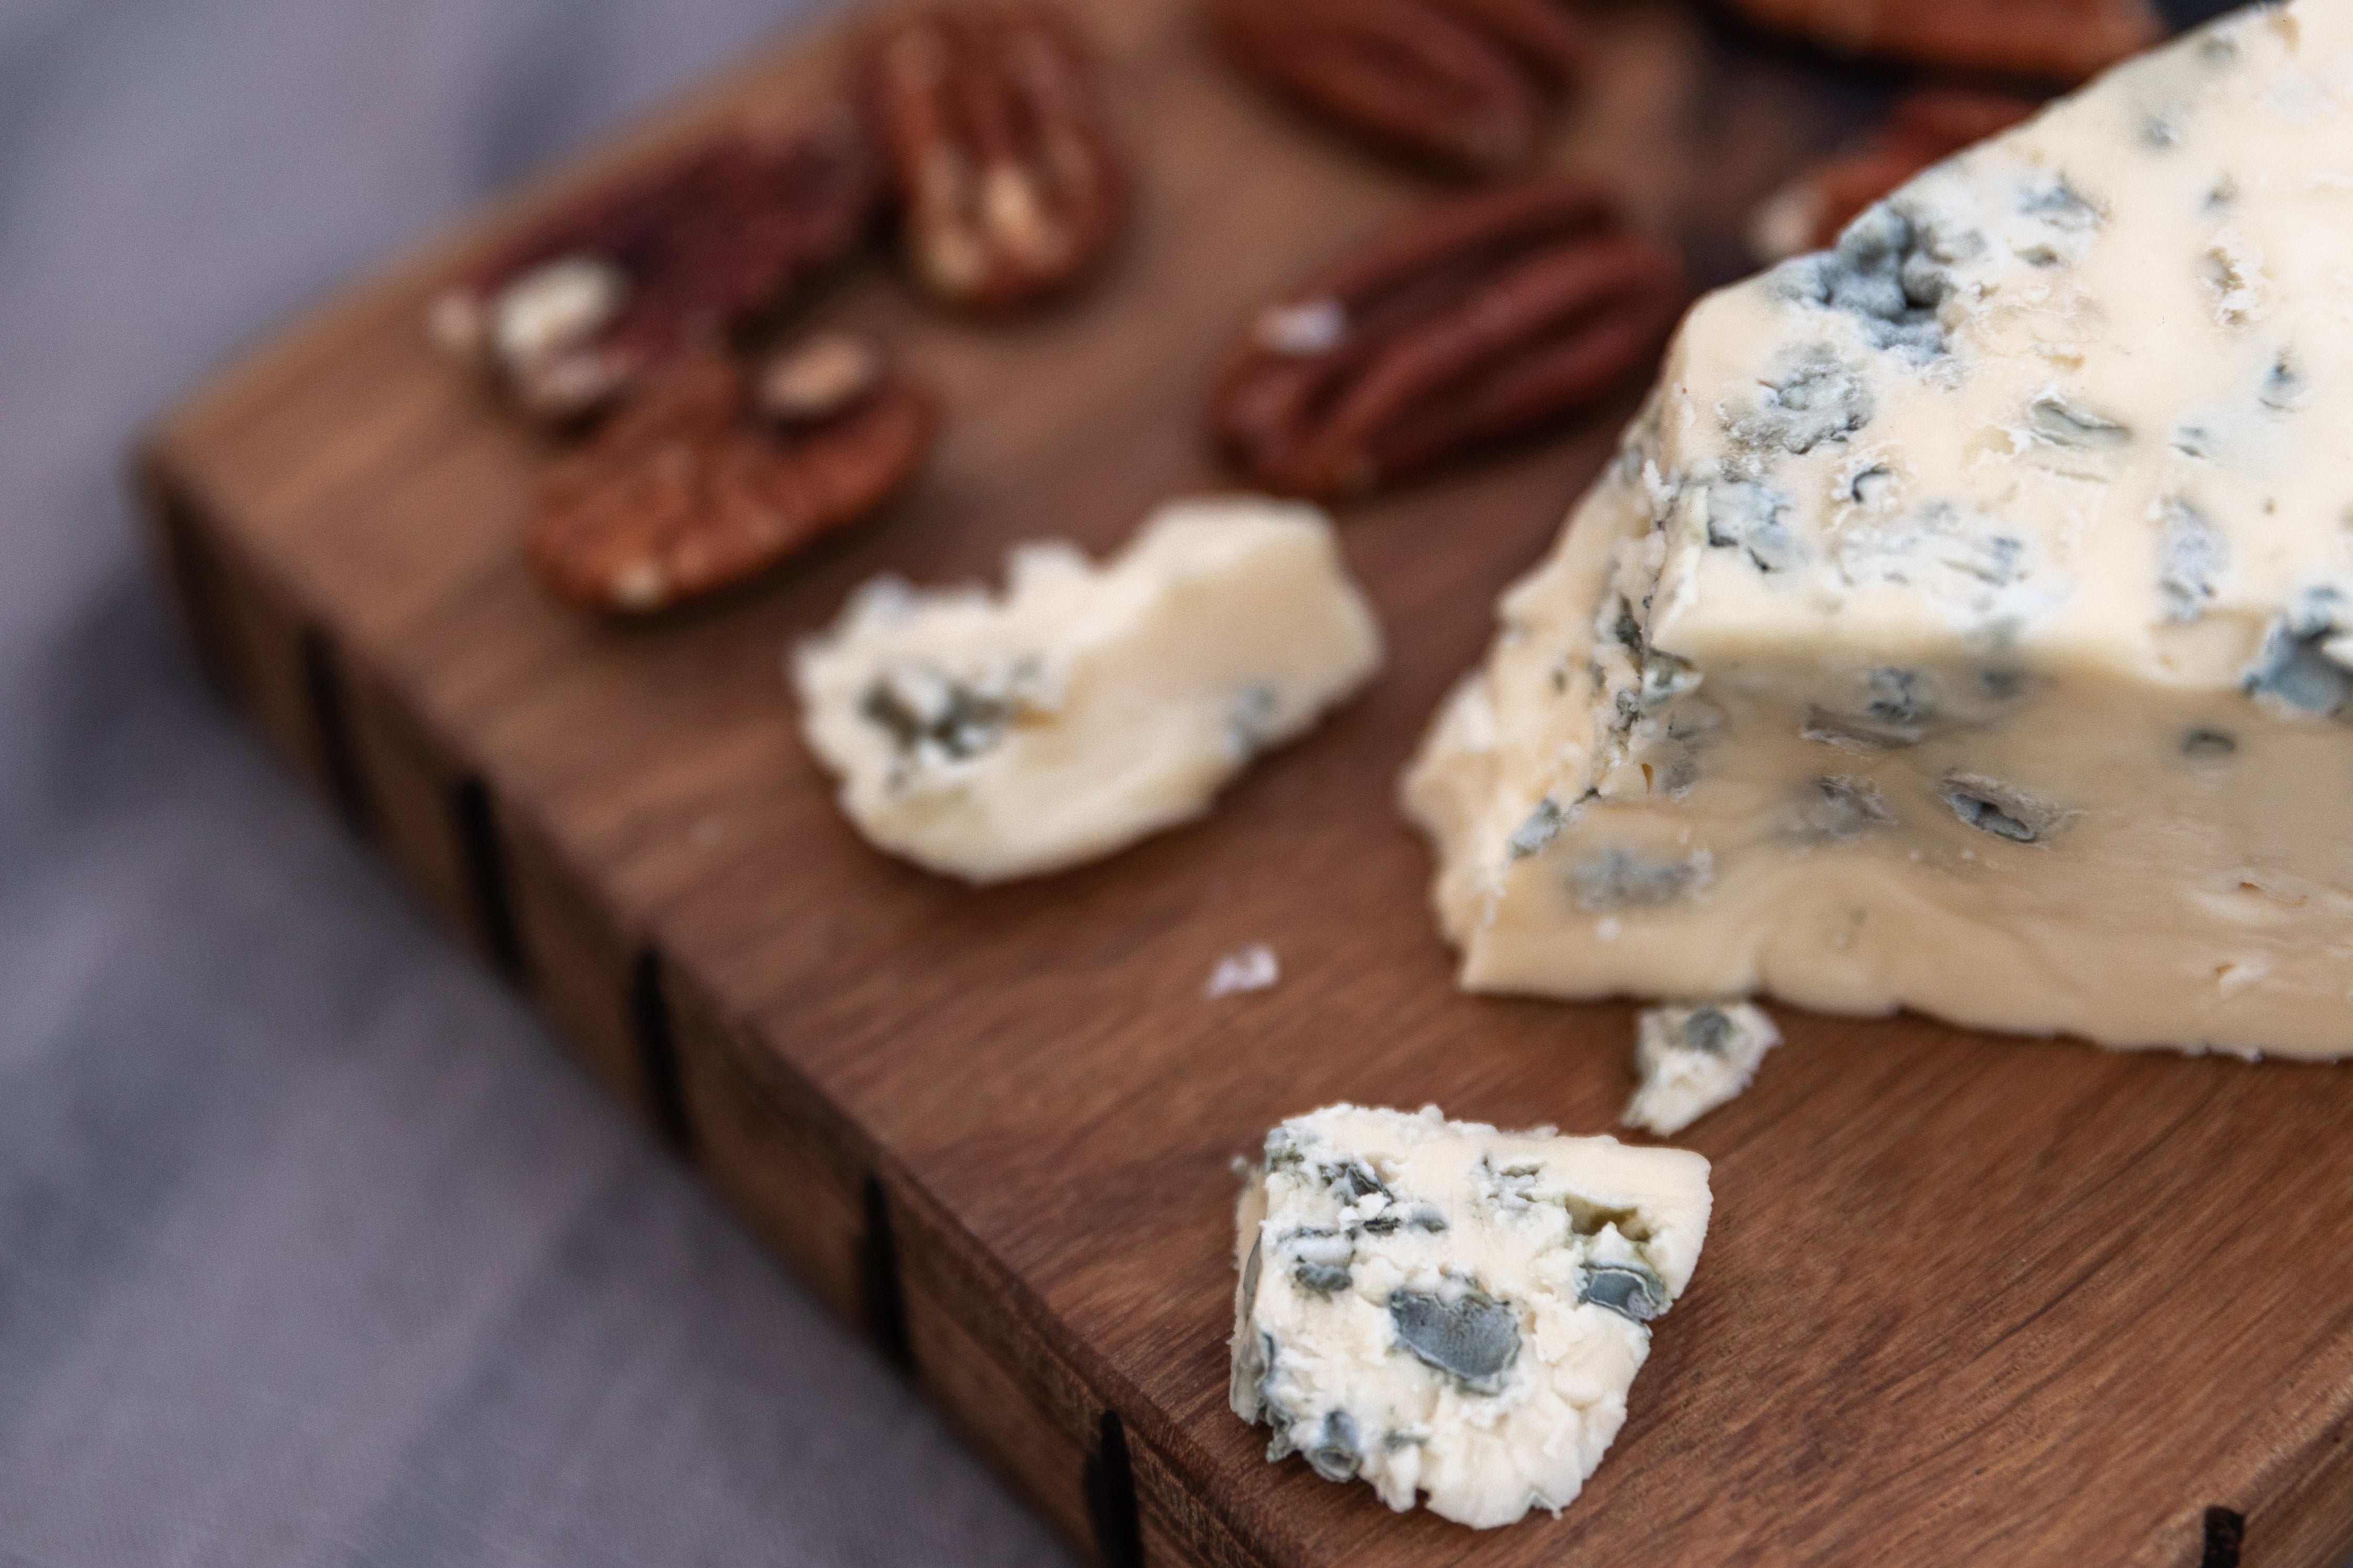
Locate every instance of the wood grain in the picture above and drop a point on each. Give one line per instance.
(1965, 1301)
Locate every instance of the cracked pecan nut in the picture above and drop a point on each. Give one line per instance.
(2048, 40)
(1921, 130)
(574, 315)
(1466, 84)
(1924, 127)
(1481, 320)
(993, 135)
(711, 476)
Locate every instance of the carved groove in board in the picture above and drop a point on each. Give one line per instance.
(189, 567)
(657, 1046)
(1110, 1483)
(482, 853)
(2226, 1536)
(330, 735)
(882, 1300)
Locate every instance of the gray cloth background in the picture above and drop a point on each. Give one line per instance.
(314, 1248)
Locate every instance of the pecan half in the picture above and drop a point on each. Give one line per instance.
(1924, 127)
(2049, 40)
(711, 476)
(1485, 319)
(992, 130)
(572, 315)
(1466, 84)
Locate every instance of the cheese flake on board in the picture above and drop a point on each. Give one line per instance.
(992, 737)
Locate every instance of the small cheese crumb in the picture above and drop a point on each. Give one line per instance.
(1252, 969)
(1692, 1059)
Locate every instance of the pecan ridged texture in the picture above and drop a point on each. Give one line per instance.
(710, 475)
(1467, 85)
(575, 314)
(2049, 40)
(992, 132)
(1484, 320)
(1923, 128)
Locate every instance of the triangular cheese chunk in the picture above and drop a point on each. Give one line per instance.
(1968, 622)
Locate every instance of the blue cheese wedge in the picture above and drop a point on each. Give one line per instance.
(1690, 1060)
(989, 737)
(1441, 1309)
(1966, 623)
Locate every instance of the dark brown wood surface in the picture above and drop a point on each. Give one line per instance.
(1966, 1299)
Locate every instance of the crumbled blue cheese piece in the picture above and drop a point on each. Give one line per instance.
(991, 737)
(1966, 623)
(1439, 1308)
(1689, 1061)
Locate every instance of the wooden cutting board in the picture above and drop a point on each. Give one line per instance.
(1966, 1299)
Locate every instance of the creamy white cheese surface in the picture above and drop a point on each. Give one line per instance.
(1439, 1308)
(990, 737)
(1968, 622)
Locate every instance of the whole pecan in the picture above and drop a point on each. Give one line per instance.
(710, 475)
(1923, 128)
(993, 133)
(575, 313)
(1483, 320)
(1467, 84)
(2051, 40)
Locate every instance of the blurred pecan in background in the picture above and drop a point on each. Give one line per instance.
(1922, 129)
(710, 475)
(2051, 40)
(572, 315)
(1468, 84)
(991, 127)
(1484, 319)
